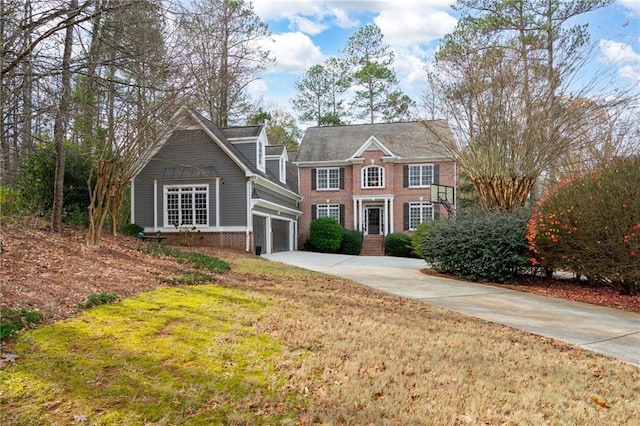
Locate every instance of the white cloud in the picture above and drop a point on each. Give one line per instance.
(306, 25)
(632, 5)
(615, 52)
(414, 28)
(294, 52)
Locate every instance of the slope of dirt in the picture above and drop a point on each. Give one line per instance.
(52, 272)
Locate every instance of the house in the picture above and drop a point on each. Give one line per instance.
(227, 185)
(375, 178)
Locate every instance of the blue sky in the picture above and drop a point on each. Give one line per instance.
(305, 32)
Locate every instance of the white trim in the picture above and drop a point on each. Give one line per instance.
(173, 230)
(132, 201)
(373, 141)
(328, 172)
(155, 204)
(276, 187)
(259, 202)
(218, 202)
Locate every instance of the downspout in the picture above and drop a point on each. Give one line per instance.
(249, 214)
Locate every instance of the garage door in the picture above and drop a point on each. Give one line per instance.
(280, 229)
(260, 232)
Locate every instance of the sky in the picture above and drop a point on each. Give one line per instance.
(306, 32)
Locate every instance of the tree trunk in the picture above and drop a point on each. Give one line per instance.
(60, 125)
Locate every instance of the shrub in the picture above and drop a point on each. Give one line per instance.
(95, 299)
(12, 321)
(399, 245)
(10, 201)
(36, 175)
(132, 229)
(589, 225)
(420, 234)
(479, 246)
(325, 234)
(351, 242)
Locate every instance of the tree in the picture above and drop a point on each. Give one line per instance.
(320, 92)
(61, 123)
(375, 80)
(282, 128)
(503, 77)
(222, 56)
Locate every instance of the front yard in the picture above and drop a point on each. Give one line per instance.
(270, 344)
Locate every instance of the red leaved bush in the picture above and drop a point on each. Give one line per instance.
(590, 225)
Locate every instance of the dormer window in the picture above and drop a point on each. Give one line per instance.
(373, 177)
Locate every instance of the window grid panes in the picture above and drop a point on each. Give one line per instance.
(328, 210)
(420, 175)
(419, 213)
(328, 178)
(186, 205)
(373, 177)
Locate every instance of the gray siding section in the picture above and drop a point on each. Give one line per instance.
(273, 167)
(248, 149)
(192, 149)
(272, 196)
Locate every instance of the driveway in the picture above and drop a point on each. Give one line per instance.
(602, 330)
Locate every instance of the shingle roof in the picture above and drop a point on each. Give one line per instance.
(274, 149)
(241, 132)
(405, 140)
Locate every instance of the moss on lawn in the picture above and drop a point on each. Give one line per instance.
(170, 356)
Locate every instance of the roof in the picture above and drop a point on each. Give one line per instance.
(242, 132)
(274, 149)
(417, 139)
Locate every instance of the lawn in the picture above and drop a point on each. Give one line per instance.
(273, 344)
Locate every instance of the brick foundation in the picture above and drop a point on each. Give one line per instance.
(232, 240)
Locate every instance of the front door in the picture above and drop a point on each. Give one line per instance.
(374, 220)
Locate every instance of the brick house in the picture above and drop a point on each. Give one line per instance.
(375, 178)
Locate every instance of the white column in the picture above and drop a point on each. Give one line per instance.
(386, 216)
(355, 214)
(133, 201)
(391, 217)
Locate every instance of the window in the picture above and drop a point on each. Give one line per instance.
(260, 154)
(419, 213)
(373, 177)
(328, 178)
(186, 205)
(283, 170)
(328, 210)
(420, 175)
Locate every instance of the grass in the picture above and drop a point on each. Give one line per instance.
(288, 346)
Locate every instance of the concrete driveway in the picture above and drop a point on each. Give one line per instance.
(603, 330)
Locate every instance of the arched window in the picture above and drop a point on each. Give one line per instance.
(373, 177)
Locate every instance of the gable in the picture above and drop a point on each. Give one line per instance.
(372, 144)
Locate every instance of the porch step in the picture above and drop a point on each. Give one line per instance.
(372, 245)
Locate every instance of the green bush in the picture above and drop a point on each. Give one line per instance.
(36, 175)
(590, 225)
(10, 201)
(12, 321)
(420, 234)
(479, 246)
(325, 234)
(351, 242)
(95, 299)
(132, 229)
(399, 245)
